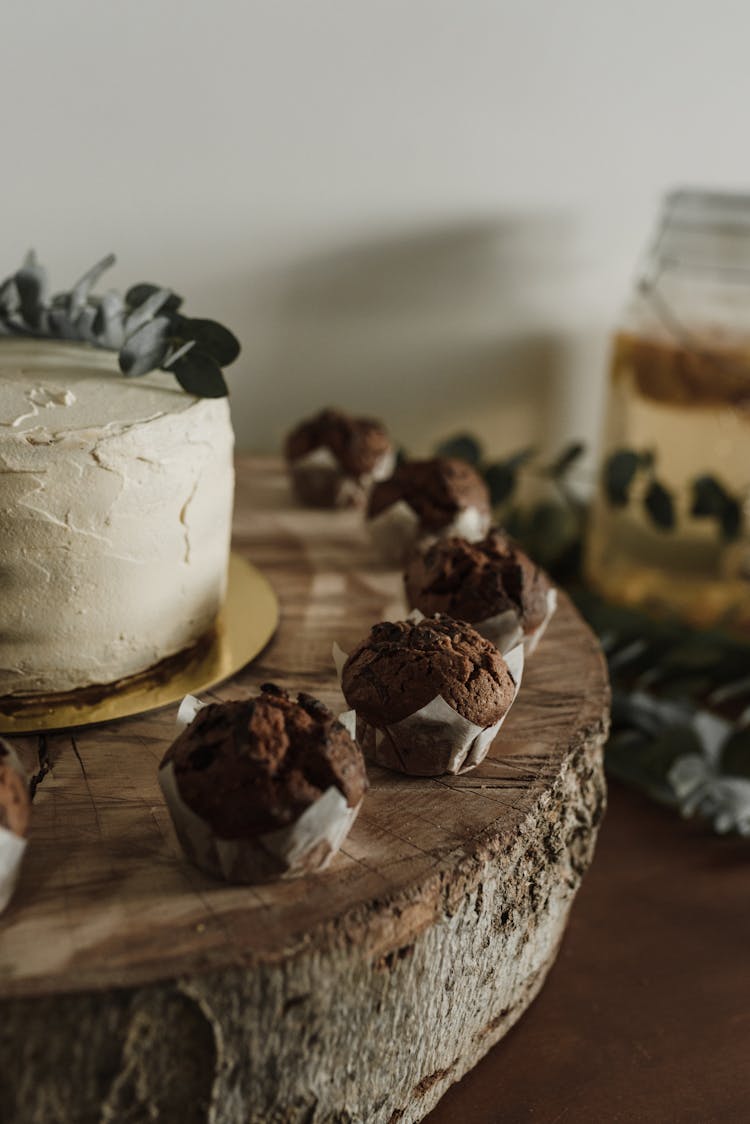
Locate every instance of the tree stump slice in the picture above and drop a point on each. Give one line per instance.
(133, 988)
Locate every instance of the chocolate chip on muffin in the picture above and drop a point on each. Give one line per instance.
(15, 814)
(490, 583)
(425, 500)
(334, 459)
(429, 694)
(263, 788)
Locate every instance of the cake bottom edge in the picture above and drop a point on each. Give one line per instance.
(158, 674)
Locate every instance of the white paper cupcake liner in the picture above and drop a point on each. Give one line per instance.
(187, 711)
(303, 847)
(12, 850)
(396, 531)
(12, 846)
(435, 739)
(504, 630)
(470, 524)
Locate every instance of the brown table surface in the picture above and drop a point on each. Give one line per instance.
(646, 1014)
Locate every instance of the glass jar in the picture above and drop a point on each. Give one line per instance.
(670, 523)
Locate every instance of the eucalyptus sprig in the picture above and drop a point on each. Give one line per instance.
(551, 529)
(670, 744)
(709, 498)
(145, 327)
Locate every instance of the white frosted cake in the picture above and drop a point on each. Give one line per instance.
(115, 517)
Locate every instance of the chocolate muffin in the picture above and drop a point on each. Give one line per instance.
(490, 583)
(334, 459)
(263, 788)
(429, 694)
(425, 500)
(15, 814)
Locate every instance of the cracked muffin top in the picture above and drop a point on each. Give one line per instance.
(475, 581)
(402, 666)
(254, 766)
(437, 490)
(358, 444)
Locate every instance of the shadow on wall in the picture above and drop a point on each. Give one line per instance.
(449, 329)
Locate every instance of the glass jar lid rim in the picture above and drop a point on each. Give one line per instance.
(702, 229)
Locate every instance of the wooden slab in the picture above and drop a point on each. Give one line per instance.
(129, 978)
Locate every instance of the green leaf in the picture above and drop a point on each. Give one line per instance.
(645, 762)
(61, 326)
(660, 506)
(731, 521)
(660, 754)
(31, 285)
(652, 757)
(501, 477)
(137, 294)
(735, 754)
(686, 686)
(620, 469)
(141, 315)
(501, 481)
(9, 300)
(108, 322)
(696, 653)
(515, 524)
(522, 457)
(173, 355)
(646, 713)
(463, 446)
(623, 761)
(79, 294)
(552, 527)
(200, 374)
(212, 338)
(145, 349)
(710, 499)
(85, 323)
(567, 458)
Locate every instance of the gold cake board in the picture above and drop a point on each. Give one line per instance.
(246, 623)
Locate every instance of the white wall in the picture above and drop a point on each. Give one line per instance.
(426, 209)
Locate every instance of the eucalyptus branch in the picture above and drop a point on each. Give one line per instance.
(145, 327)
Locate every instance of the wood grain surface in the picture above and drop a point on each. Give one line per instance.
(433, 868)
